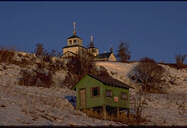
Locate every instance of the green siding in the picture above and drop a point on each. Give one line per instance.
(88, 82)
(116, 92)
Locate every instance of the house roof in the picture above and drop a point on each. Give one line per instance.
(74, 36)
(104, 55)
(108, 80)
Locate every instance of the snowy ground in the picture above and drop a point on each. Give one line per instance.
(21, 105)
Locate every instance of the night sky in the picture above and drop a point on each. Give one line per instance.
(153, 29)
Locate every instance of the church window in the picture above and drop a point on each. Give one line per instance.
(74, 41)
(70, 42)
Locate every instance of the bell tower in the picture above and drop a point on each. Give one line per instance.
(74, 39)
(92, 50)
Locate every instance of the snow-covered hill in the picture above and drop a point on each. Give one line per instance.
(22, 105)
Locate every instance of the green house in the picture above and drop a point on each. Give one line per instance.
(101, 91)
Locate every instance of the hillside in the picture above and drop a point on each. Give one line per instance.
(160, 109)
(28, 105)
(23, 105)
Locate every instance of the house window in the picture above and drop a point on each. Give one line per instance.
(95, 91)
(108, 93)
(124, 96)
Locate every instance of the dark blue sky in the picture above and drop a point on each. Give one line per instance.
(154, 29)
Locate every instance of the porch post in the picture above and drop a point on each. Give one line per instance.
(128, 113)
(104, 112)
(117, 113)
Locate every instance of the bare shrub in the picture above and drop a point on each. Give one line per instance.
(80, 65)
(6, 55)
(45, 78)
(24, 62)
(28, 78)
(149, 74)
(39, 50)
(180, 61)
(47, 57)
(181, 102)
(55, 53)
(38, 78)
(58, 65)
(70, 80)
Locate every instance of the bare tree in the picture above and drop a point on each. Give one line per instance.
(111, 49)
(139, 104)
(149, 74)
(54, 53)
(79, 65)
(7, 55)
(39, 50)
(82, 63)
(123, 52)
(180, 60)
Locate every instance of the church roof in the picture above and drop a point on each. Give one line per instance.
(74, 36)
(104, 55)
(69, 52)
(74, 46)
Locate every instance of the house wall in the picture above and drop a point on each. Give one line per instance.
(88, 83)
(116, 92)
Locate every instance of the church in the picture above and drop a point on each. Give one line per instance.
(75, 46)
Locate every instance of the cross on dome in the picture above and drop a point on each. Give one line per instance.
(74, 28)
(91, 38)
